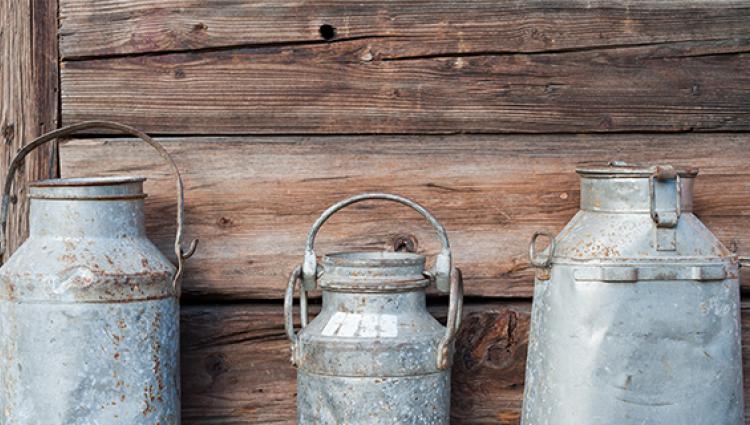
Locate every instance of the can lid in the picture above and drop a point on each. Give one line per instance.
(614, 169)
(373, 271)
(87, 181)
(88, 188)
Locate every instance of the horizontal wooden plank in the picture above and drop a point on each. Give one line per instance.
(340, 88)
(236, 365)
(251, 200)
(236, 370)
(91, 28)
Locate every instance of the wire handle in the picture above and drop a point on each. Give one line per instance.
(71, 129)
(443, 263)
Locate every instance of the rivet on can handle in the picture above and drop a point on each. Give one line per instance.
(181, 254)
(542, 265)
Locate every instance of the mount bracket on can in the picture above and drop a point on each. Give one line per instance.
(665, 220)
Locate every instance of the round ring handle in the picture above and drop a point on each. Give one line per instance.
(66, 131)
(294, 277)
(533, 257)
(443, 262)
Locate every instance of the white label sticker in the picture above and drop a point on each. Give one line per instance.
(362, 325)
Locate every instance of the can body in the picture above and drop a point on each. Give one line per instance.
(370, 356)
(636, 320)
(90, 318)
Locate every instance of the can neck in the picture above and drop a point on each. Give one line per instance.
(633, 195)
(375, 302)
(78, 208)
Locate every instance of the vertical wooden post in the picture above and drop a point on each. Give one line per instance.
(28, 96)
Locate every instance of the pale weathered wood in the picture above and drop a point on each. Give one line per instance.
(236, 370)
(91, 28)
(236, 365)
(252, 200)
(28, 95)
(337, 88)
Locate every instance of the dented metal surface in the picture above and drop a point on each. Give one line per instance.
(89, 309)
(374, 355)
(636, 310)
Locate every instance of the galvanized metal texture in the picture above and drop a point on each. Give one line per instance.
(636, 310)
(89, 309)
(374, 355)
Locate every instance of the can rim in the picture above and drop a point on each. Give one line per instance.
(624, 169)
(374, 258)
(87, 181)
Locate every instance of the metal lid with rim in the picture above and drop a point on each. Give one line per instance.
(373, 271)
(89, 188)
(615, 169)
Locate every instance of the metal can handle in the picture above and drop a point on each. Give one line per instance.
(443, 263)
(534, 258)
(455, 313)
(294, 277)
(71, 129)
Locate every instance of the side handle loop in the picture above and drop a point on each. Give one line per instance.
(542, 265)
(455, 312)
(443, 262)
(181, 254)
(294, 277)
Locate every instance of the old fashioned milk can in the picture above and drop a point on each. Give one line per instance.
(89, 311)
(374, 355)
(636, 309)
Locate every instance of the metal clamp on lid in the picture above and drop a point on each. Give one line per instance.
(666, 221)
(441, 272)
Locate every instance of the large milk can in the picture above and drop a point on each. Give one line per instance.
(374, 355)
(89, 311)
(636, 310)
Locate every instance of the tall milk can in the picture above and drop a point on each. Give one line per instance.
(374, 355)
(89, 311)
(636, 313)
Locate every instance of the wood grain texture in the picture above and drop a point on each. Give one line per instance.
(236, 370)
(236, 365)
(251, 200)
(91, 28)
(28, 96)
(343, 88)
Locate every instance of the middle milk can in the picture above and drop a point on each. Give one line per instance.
(374, 355)
(636, 310)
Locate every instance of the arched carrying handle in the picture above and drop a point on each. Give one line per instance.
(294, 277)
(443, 263)
(86, 125)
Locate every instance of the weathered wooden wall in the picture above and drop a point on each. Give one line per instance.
(479, 109)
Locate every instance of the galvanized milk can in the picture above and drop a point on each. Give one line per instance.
(636, 310)
(89, 311)
(373, 355)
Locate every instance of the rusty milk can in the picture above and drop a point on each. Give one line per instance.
(636, 309)
(89, 310)
(374, 355)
